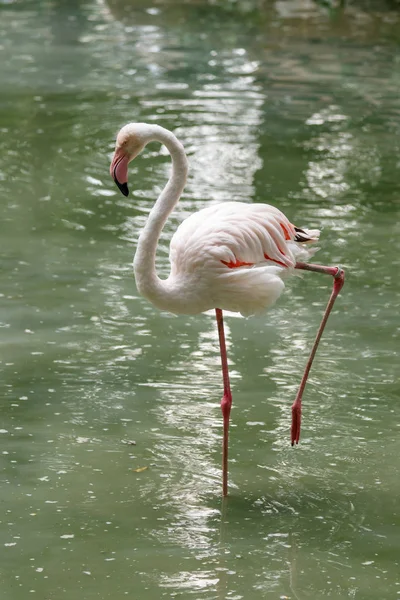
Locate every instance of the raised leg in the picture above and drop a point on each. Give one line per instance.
(226, 401)
(338, 281)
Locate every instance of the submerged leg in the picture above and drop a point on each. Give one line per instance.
(226, 401)
(338, 276)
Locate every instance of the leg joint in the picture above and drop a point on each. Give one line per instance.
(339, 273)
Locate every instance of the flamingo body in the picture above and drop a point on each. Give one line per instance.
(234, 256)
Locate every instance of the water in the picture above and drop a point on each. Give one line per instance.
(285, 102)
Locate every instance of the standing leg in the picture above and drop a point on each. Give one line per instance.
(338, 275)
(226, 401)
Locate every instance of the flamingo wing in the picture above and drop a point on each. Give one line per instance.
(236, 234)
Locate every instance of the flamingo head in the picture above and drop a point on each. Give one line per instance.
(130, 142)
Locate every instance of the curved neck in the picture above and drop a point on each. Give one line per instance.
(148, 283)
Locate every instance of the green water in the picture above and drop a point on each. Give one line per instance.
(284, 102)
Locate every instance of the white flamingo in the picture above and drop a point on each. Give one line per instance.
(230, 256)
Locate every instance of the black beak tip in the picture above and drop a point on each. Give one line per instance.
(123, 187)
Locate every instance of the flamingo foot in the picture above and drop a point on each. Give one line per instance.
(296, 421)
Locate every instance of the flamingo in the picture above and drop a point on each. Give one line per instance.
(230, 256)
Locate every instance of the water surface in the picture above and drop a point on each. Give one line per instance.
(282, 102)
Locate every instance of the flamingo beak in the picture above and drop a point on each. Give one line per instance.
(119, 170)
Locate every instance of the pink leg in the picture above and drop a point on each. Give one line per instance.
(338, 275)
(226, 401)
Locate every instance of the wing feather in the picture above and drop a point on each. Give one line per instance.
(233, 232)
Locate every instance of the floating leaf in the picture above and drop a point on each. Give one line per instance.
(140, 469)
